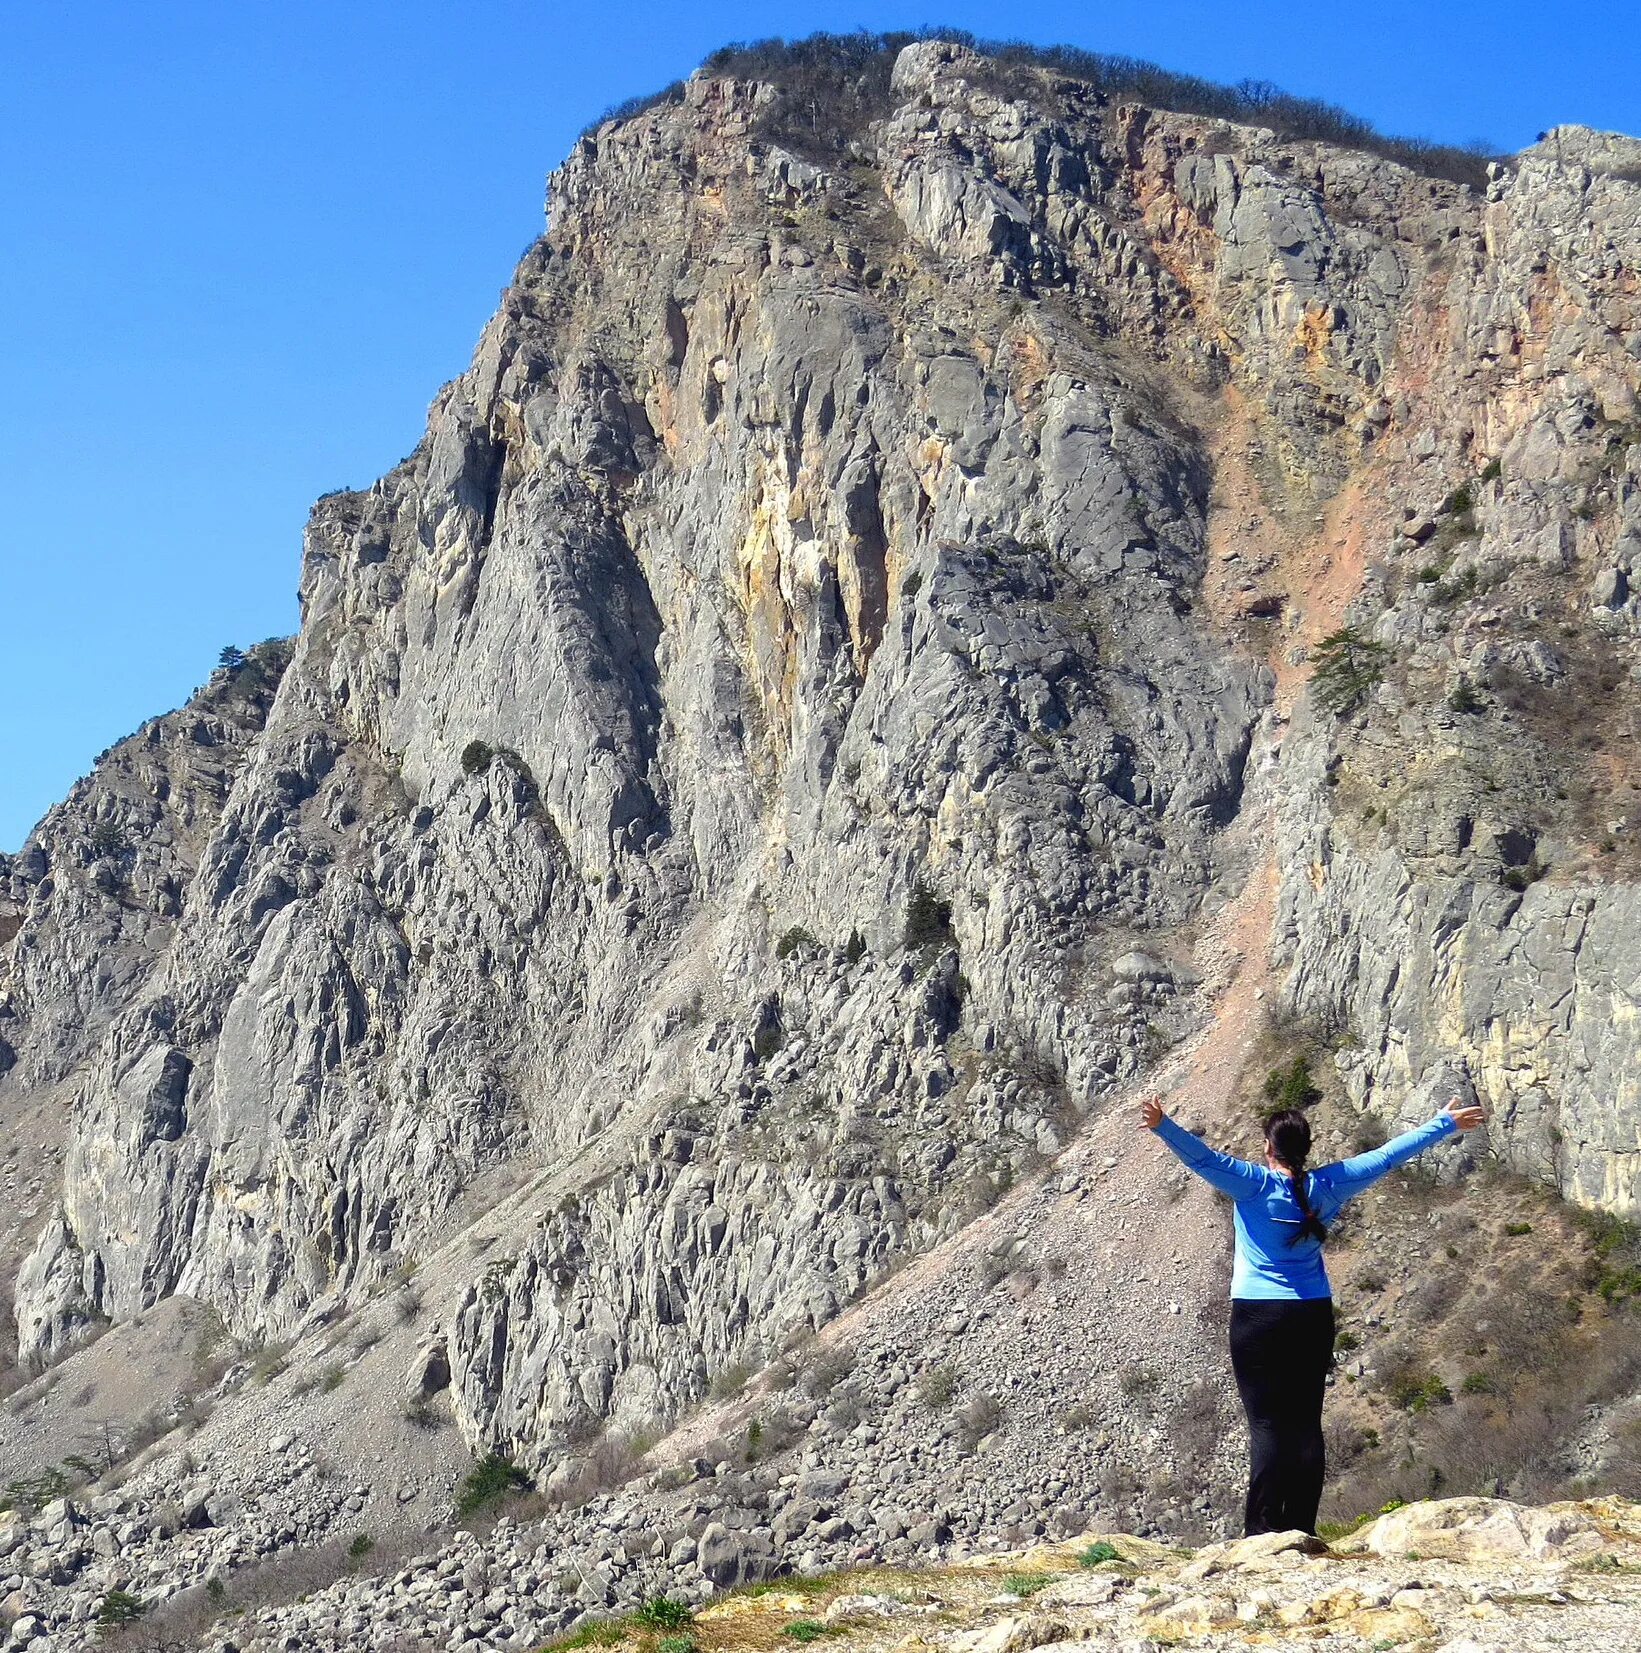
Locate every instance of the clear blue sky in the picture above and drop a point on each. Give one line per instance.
(247, 241)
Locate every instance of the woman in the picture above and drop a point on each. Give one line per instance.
(1281, 1303)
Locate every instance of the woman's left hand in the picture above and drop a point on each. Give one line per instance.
(1466, 1115)
(1150, 1113)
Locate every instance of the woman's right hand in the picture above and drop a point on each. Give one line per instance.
(1466, 1115)
(1150, 1113)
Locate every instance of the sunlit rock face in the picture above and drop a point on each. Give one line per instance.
(751, 781)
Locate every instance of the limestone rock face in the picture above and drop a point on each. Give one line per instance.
(748, 784)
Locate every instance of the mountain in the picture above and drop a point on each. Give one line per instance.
(950, 594)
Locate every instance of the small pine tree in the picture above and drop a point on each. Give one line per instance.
(232, 658)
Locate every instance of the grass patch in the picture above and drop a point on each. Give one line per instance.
(1027, 1584)
(600, 1633)
(808, 1630)
(664, 1613)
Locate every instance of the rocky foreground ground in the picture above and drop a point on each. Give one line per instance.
(1462, 1575)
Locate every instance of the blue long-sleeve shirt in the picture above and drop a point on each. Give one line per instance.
(1268, 1216)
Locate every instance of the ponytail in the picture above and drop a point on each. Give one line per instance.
(1288, 1136)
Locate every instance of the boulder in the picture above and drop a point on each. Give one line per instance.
(1477, 1529)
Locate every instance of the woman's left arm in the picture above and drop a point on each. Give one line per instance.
(1350, 1176)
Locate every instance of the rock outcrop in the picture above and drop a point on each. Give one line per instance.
(750, 785)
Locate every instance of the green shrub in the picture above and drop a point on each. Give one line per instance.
(1464, 700)
(1345, 1342)
(31, 1493)
(856, 950)
(477, 756)
(1291, 1086)
(1619, 1285)
(794, 938)
(1478, 1383)
(361, 1546)
(1521, 878)
(107, 839)
(911, 585)
(937, 1386)
(1516, 1230)
(489, 1481)
(1492, 470)
(928, 919)
(1610, 1235)
(1416, 1390)
(676, 1644)
(1458, 502)
(1097, 1553)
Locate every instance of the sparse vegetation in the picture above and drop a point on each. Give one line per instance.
(477, 756)
(830, 86)
(1097, 1554)
(937, 1386)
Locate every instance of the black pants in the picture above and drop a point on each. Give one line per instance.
(1280, 1351)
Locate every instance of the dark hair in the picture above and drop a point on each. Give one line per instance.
(1288, 1136)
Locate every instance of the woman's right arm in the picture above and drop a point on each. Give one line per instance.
(1235, 1177)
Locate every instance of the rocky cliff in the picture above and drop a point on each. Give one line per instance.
(760, 777)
